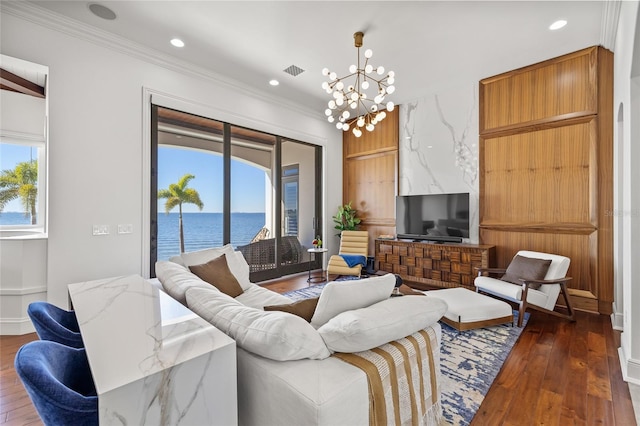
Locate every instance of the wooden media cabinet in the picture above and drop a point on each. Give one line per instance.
(430, 264)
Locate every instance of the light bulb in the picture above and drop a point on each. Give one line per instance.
(331, 119)
(337, 95)
(346, 114)
(360, 122)
(328, 112)
(350, 88)
(374, 108)
(378, 99)
(391, 89)
(391, 74)
(391, 80)
(354, 96)
(332, 104)
(380, 70)
(333, 76)
(325, 85)
(390, 106)
(370, 127)
(325, 71)
(368, 69)
(339, 125)
(340, 101)
(353, 105)
(353, 68)
(329, 90)
(357, 132)
(365, 85)
(345, 127)
(381, 115)
(368, 53)
(339, 85)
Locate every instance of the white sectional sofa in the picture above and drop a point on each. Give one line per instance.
(286, 372)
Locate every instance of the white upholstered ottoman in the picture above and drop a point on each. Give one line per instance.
(468, 309)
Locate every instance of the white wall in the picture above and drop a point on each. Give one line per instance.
(97, 132)
(627, 136)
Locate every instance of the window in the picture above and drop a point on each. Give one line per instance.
(23, 145)
(290, 199)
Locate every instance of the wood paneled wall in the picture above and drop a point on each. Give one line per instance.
(370, 176)
(546, 167)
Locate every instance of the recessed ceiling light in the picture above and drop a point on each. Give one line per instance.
(558, 24)
(177, 42)
(274, 82)
(102, 11)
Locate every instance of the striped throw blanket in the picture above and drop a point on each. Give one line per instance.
(403, 380)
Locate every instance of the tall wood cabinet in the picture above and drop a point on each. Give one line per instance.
(546, 167)
(370, 176)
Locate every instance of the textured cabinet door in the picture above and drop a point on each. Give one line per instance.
(435, 265)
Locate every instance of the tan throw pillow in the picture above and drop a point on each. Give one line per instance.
(302, 308)
(527, 268)
(216, 272)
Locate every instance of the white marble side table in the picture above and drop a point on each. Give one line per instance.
(154, 361)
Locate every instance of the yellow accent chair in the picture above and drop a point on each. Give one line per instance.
(351, 243)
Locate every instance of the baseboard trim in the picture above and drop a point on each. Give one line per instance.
(630, 367)
(16, 326)
(617, 319)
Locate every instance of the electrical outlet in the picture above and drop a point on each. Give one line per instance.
(100, 229)
(125, 229)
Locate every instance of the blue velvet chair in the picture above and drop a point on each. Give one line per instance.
(55, 324)
(59, 382)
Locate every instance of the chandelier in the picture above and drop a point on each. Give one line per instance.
(350, 106)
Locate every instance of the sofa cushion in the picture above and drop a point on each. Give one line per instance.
(340, 296)
(527, 268)
(302, 308)
(235, 261)
(276, 335)
(257, 297)
(216, 272)
(176, 279)
(385, 321)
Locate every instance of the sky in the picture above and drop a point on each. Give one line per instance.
(248, 193)
(247, 188)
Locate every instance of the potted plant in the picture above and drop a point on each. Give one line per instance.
(346, 218)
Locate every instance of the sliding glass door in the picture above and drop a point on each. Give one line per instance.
(213, 183)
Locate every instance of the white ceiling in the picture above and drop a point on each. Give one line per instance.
(431, 45)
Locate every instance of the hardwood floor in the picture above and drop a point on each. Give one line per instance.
(558, 373)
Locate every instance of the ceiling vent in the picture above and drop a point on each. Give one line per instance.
(293, 70)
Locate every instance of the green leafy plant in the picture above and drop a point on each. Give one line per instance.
(22, 183)
(177, 195)
(346, 218)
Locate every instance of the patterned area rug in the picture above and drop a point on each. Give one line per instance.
(470, 361)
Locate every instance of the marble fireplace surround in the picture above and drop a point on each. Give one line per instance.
(438, 150)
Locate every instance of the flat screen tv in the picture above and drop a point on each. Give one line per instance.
(433, 217)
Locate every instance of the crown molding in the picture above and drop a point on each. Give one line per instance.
(609, 26)
(71, 27)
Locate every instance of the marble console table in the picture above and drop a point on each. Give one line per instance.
(154, 361)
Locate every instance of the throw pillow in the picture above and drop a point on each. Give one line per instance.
(176, 279)
(302, 308)
(274, 335)
(528, 268)
(203, 256)
(340, 296)
(382, 322)
(216, 272)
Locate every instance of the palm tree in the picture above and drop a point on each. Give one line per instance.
(176, 195)
(22, 183)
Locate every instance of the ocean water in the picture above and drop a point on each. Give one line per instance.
(14, 218)
(204, 230)
(201, 230)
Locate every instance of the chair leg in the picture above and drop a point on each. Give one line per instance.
(565, 293)
(521, 311)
